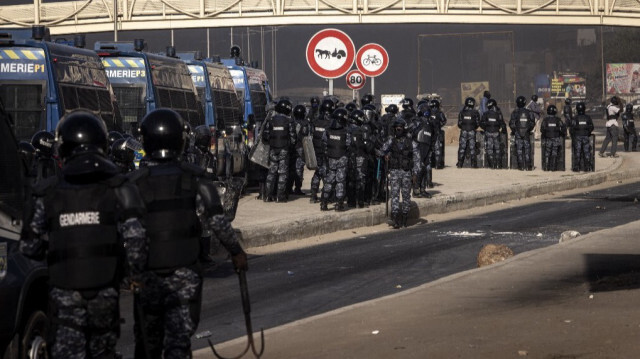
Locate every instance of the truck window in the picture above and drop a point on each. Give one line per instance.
(11, 188)
(129, 80)
(258, 101)
(175, 90)
(226, 101)
(23, 77)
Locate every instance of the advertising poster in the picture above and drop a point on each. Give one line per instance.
(623, 78)
(569, 85)
(473, 89)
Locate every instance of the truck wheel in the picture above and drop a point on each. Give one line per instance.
(34, 336)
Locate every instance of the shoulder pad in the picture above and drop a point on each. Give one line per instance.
(210, 197)
(130, 200)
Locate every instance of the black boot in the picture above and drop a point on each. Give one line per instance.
(340, 206)
(424, 193)
(323, 206)
(260, 190)
(314, 197)
(405, 216)
(416, 186)
(396, 221)
(429, 179)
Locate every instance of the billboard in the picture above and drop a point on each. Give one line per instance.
(569, 85)
(623, 78)
(473, 89)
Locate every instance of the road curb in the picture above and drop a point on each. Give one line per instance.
(328, 222)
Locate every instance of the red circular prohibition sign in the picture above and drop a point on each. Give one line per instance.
(365, 67)
(312, 59)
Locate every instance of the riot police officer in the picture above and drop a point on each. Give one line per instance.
(567, 112)
(629, 127)
(387, 120)
(207, 160)
(46, 164)
(438, 120)
(553, 131)
(398, 150)
(367, 99)
(122, 156)
(336, 141)
(318, 127)
(494, 126)
(280, 134)
(521, 124)
(81, 221)
(166, 271)
(580, 136)
(468, 122)
(362, 147)
(422, 134)
(314, 106)
(301, 125)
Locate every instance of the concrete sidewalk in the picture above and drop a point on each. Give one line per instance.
(263, 223)
(577, 299)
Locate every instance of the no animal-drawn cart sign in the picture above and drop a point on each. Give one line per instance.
(330, 53)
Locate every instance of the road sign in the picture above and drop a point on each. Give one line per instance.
(355, 80)
(372, 60)
(330, 53)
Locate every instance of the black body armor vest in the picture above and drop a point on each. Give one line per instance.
(552, 130)
(320, 126)
(85, 250)
(401, 154)
(336, 142)
(279, 135)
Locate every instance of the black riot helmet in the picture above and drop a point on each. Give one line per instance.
(81, 132)
(358, 117)
(491, 104)
(235, 51)
(369, 112)
(393, 109)
(434, 104)
(486, 94)
(121, 153)
(315, 101)
(112, 136)
(284, 107)
(614, 100)
(567, 101)
(552, 110)
(521, 101)
(43, 142)
(327, 106)
(534, 98)
(580, 108)
(470, 102)
(629, 108)
(350, 107)
(341, 116)
(399, 127)
(407, 103)
(367, 99)
(162, 134)
(299, 112)
(202, 137)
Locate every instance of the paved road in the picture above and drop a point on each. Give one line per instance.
(297, 284)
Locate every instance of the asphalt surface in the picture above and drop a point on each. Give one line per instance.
(478, 313)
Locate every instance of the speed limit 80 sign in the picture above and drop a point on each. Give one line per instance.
(355, 80)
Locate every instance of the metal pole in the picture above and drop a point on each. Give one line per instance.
(208, 44)
(330, 87)
(172, 37)
(602, 67)
(373, 87)
(115, 20)
(36, 12)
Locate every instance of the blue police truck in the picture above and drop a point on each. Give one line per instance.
(222, 111)
(144, 81)
(40, 81)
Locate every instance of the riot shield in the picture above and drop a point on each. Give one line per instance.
(561, 156)
(309, 153)
(479, 147)
(260, 154)
(229, 192)
(440, 163)
(513, 163)
(543, 159)
(592, 140)
(575, 157)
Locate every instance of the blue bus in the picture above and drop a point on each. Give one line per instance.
(144, 81)
(41, 81)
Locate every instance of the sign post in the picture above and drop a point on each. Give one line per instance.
(330, 54)
(372, 60)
